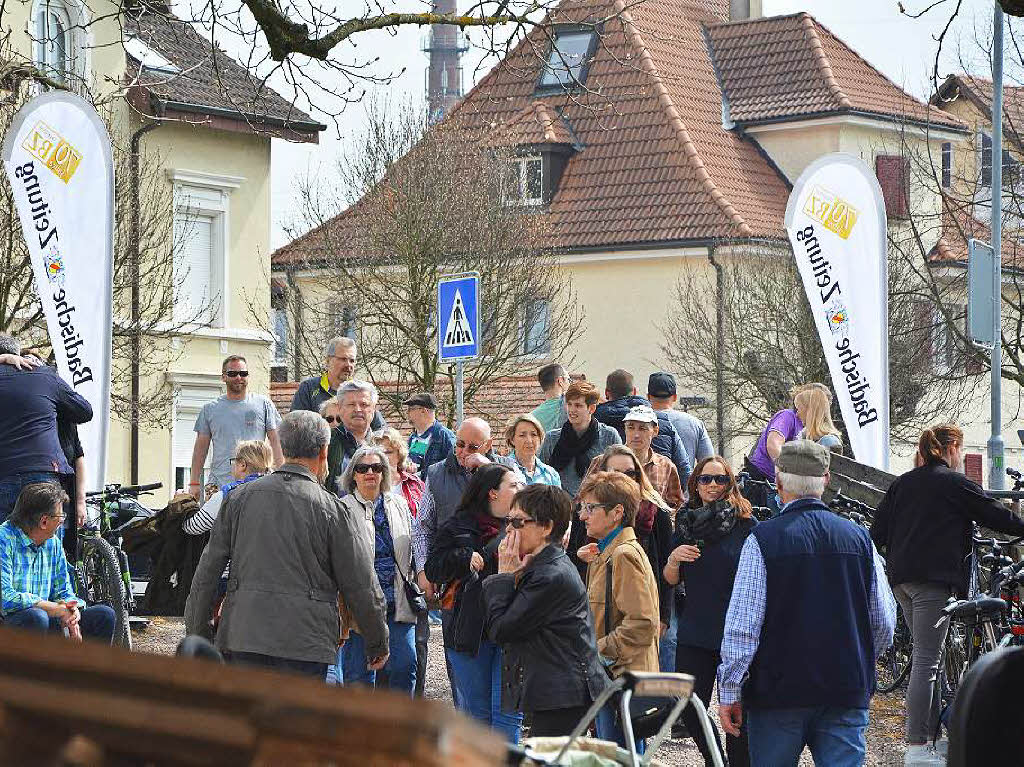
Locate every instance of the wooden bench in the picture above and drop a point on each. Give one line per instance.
(65, 703)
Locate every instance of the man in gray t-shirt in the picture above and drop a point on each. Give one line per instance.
(661, 392)
(228, 420)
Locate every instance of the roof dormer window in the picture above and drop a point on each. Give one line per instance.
(524, 181)
(568, 60)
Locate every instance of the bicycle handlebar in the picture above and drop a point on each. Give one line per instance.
(116, 491)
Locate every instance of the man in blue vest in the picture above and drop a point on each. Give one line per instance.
(811, 610)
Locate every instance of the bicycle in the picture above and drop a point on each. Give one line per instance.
(101, 571)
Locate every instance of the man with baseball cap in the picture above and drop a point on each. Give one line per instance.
(811, 610)
(430, 442)
(641, 426)
(661, 393)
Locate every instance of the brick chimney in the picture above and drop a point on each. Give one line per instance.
(740, 10)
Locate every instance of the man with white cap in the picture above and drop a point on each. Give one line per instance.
(811, 611)
(641, 426)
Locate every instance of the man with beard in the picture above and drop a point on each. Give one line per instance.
(229, 419)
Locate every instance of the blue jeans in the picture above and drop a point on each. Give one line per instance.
(10, 488)
(609, 728)
(667, 645)
(97, 622)
(478, 679)
(834, 735)
(401, 665)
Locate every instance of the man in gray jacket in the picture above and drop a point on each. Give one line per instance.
(293, 547)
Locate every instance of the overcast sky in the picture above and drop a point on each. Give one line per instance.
(901, 48)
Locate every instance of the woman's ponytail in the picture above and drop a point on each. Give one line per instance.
(934, 442)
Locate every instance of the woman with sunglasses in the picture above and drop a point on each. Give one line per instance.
(388, 529)
(537, 610)
(652, 526)
(463, 554)
(330, 411)
(710, 532)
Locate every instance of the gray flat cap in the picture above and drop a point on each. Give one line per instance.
(803, 458)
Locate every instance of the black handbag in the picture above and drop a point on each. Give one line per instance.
(646, 714)
(414, 594)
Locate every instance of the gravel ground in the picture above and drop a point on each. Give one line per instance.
(885, 733)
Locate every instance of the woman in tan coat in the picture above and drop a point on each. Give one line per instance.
(626, 618)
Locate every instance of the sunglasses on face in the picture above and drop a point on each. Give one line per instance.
(467, 446)
(518, 523)
(718, 479)
(237, 373)
(332, 419)
(631, 473)
(363, 468)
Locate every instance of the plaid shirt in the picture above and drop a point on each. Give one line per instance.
(665, 478)
(745, 618)
(31, 573)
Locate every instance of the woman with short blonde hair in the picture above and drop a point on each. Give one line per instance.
(524, 436)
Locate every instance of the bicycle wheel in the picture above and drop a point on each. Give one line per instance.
(893, 666)
(101, 578)
(955, 659)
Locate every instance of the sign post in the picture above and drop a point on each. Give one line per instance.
(980, 306)
(458, 326)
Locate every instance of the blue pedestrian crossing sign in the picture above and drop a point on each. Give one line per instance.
(458, 316)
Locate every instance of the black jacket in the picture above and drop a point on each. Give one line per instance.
(924, 525)
(452, 549)
(542, 621)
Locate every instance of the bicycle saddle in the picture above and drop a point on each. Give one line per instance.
(978, 609)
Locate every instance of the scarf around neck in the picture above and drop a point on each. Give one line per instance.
(708, 523)
(574, 447)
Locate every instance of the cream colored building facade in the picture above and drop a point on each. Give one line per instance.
(216, 159)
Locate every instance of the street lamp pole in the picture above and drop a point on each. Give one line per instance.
(996, 475)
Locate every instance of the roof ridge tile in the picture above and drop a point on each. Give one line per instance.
(824, 66)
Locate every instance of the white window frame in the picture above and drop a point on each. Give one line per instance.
(526, 327)
(519, 196)
(191, 392)
(277, 357)
(206, 194)
(78, 38)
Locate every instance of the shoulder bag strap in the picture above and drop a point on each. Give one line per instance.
(608, 598)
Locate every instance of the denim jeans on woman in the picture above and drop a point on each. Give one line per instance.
(478, 679)
(401, 665)
(10, 488)
(834, 735)
(922, 605)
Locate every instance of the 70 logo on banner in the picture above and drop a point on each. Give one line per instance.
(834, 213)
(44, 143)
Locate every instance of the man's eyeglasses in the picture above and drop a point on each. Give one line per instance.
(237, 373)
(332, 419)
(518, 523)
(469, 447)
(363, 468)
(718, 479)
(588, 508)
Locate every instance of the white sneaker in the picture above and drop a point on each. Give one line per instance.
(923, 756)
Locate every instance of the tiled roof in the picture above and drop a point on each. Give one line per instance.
(654, 164)
(978, 90)
(210, 82)
(496, 402)
(792, 67)
(537, 123)
(959, 226)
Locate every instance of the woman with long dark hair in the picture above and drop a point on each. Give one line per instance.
(464, 553)
(924, 525)
(710, 532)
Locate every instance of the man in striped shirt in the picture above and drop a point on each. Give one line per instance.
(35, 590)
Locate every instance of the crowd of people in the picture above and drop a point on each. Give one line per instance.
(609, 537)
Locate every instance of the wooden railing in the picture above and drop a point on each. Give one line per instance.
(64, 703)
